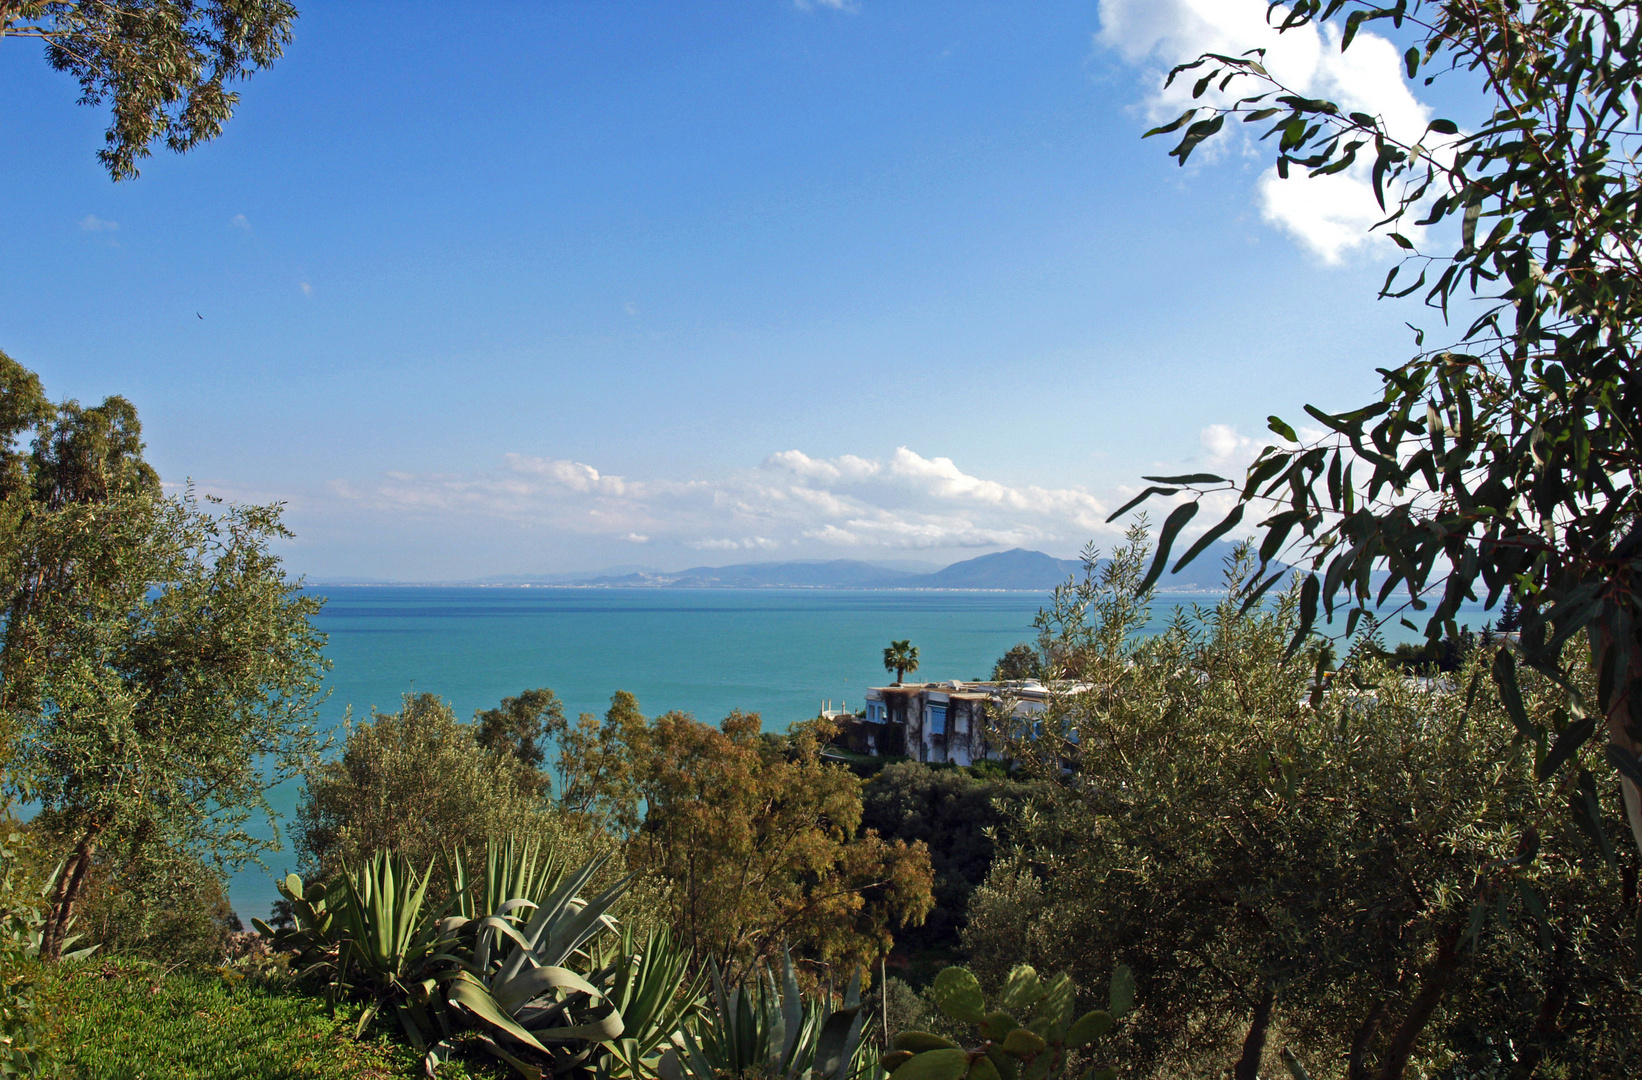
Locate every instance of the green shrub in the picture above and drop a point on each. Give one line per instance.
(130, 1022)
(165, 905)
(1341, 864)
(416, 782)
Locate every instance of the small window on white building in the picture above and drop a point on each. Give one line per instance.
(876, 713)
(937, 719)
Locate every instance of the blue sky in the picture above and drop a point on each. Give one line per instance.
(534, 287)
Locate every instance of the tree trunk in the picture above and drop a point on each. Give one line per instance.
(1618, 716)
(1545, 1027)
(65, 894)
(1433, 987)
(1356, 1066)
(1254, 1044)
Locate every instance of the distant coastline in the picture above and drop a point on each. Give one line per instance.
(1017, 570)
(338, 583)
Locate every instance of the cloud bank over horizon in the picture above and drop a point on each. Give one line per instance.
(847, 506)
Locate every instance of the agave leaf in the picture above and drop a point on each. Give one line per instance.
(548, 912)
(512, 994)
(569, 936)
(471, 994)
(604, 1028)
(792, 1006)
(524, 1068)
(832, 1050)
(501, 928)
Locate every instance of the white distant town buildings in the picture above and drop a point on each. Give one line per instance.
(937, 722)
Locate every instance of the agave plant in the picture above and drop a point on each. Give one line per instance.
(655, 996)
(518, 958)
(767, 1030)
(512, 971)
(391, 943)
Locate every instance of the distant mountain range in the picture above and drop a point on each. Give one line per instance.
(1015, 570)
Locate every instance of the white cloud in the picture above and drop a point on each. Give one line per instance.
(836, 5)
(240, 221)
(790, 500)
(307, 289)
(1223, 444)
(1331, 215)
(95, 224)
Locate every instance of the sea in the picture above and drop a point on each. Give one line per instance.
(782, 653)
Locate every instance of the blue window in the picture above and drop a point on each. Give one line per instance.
(937, 719)
(876, 713)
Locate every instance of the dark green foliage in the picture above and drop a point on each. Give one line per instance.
(519, 724)
(90, 455)
(1032, 1032)
(21, 1018)
(163, 65)
(1020, 662)
(950, 811)
(166, 903)
(417, 782)
(1446, 655)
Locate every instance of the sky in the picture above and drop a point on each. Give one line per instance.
(527, 288)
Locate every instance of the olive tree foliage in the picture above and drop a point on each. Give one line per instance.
(1506, 457)
(158, 672)
(156, 705)
(1353, 865)
(164, 66)
(418, 782)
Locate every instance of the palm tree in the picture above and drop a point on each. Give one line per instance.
(901, 657)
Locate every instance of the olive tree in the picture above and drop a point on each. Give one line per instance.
(1505, 456)
(158, 671)
(418, 782)
(1353, 865)
(157, 703)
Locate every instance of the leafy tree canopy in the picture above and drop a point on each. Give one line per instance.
(418, 782)
(519, 725)
(158, 672)
(952, 813)
(1506, 457)
(755, 839)
(1359, 864)
(1020, 662)
(164, 66)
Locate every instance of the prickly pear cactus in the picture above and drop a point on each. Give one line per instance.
(1030, 1035)
(313, 909)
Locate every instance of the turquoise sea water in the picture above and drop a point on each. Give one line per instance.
(777, 652)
